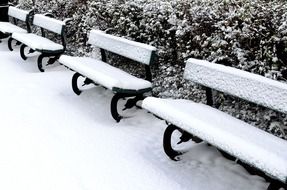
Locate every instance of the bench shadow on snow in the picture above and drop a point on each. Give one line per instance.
(94, 98)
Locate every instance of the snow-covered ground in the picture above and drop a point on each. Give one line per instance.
(52, 139)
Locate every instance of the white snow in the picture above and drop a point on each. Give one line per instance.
(104, 74)
(37, 42)
(250, 144)
(134, 50)
(9, 28)
(248, 86)
(48, 23)
(18, 13)
(51, 138)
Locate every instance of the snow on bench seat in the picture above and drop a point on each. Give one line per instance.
(37, 42)
(105, 74)
(9, 28)
(234, 136)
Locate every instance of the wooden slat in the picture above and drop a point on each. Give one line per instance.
(245, 85)
(134, 50)
(18, 13)
(48, 23)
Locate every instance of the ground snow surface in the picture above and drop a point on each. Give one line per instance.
(52, 139)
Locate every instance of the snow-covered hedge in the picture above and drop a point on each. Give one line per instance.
(247, 34)
(250, 35)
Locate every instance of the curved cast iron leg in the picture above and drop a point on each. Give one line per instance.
(170, 152)
(10, 44)
(39, 63)
(75, 83)
(22, 51)
(52, 59)
(114, 103)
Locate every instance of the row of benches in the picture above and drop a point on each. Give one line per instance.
(31, 42)
(258, 151)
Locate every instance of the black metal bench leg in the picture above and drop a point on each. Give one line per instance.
(114, 106)
(133, 102)
(10, 40)
(185, 136)
(52, 60)
(75, 84)
(40, 62)
(170, 152)
(276, 185)
(22, 52)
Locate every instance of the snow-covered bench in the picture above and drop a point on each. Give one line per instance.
(101, 73)
(42, 44)
(236, 139)
(8, 28)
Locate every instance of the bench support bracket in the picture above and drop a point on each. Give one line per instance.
(10, 41)
(52, 59)
(129, 103)
(167, 146)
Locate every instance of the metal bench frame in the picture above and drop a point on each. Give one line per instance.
(119, 93)
(186, 136)
(52, 55)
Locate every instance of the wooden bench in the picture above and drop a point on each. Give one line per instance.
(16, 15)
(101, 73)
(257, 150)
(46, 47)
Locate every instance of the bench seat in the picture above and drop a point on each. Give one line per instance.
(38, 43)
(250, 144)
(9, 28)
(106, 75)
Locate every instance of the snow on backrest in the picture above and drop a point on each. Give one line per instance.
(48, 23)
(248, 86)
(134, 50)
(18, 13)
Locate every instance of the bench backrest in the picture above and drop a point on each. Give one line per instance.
(18, 13)
(136, 51)
(245, 85)
(48, 23)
